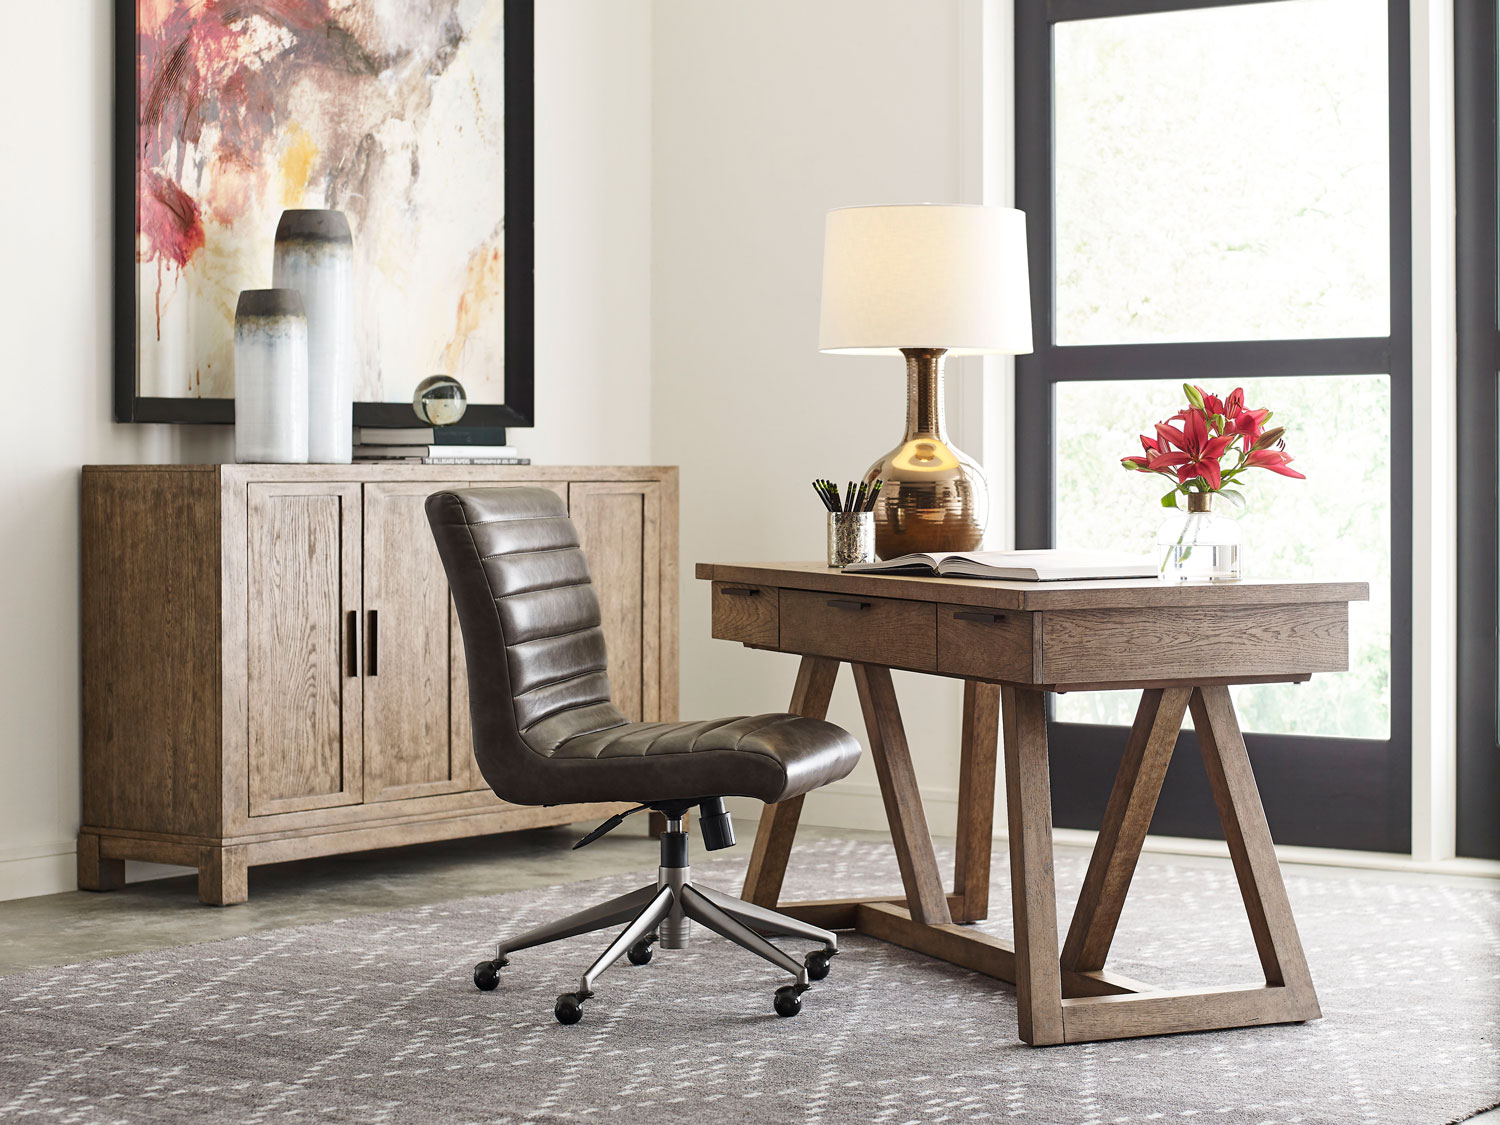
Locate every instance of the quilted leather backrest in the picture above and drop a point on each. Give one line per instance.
(530, 621)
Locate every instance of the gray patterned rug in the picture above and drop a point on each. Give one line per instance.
(373, 1019)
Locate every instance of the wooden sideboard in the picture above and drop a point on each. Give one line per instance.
(273, 670)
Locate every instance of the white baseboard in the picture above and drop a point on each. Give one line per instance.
(49, 869)
(39, 869)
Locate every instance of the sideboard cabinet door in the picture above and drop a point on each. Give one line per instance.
(410, 750)
(620, 526)
(303, 707)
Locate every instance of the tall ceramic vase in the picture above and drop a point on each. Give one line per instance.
(315, 256)
(270, 377)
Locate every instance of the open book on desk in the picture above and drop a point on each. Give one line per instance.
(1022, 566)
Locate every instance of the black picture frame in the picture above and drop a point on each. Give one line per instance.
(1318, 791)
(518, 409)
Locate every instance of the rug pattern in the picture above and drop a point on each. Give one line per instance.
(373, 1019)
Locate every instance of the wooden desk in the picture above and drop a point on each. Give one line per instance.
(1010, 642)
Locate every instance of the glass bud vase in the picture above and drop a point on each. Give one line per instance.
(1199, 544)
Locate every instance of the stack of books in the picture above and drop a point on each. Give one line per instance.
(418, 445)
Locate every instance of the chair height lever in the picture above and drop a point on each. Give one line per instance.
(608, 826)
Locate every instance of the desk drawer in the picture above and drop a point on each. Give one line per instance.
(859, 629)
(747, 613)
(988, 644)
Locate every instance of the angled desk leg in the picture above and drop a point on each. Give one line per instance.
(1127, 817)
(1287, 995)
(1028, 797)
(920, 919)
(778, 823)
(1250, 847)
(925, 898)
(976, 800)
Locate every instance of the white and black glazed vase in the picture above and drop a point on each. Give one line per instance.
(270, 377)
(315, 256)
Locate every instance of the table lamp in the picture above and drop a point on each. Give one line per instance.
(927, 281)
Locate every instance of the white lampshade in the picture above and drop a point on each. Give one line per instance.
(925, 276)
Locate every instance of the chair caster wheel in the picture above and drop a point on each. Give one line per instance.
(486, 976)
(569, 1009)
(788, 1000)
(640, 952)
(817, 963)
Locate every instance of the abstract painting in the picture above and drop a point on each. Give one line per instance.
(392, 111)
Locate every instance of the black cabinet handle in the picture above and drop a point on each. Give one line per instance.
(975, 615)
(738, 592)
(352, 643)
(372, 643)
(846, 603)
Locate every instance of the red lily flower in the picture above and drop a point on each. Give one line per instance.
(1191, 445)
(1247, 424)
(1199, 454)
(1151, 446)
(1274, 459)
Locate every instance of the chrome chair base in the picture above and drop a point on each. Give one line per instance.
(663, 913)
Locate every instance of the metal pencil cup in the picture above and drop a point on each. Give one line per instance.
(851, 538)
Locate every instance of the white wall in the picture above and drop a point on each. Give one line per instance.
(593, 349)
(765, 116)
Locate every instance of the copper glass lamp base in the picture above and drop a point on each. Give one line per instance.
(935, 497)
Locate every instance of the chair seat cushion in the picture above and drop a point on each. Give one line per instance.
(771, 757)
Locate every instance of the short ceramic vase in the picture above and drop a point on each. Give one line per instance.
(315, 256)
(1199, 544)
(270, 377)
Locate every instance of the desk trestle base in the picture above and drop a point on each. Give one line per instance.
(1064, 992)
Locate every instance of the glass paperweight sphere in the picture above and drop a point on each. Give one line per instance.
(440, 400)
(1199, 544)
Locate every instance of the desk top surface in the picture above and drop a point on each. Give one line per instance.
(1140, 593)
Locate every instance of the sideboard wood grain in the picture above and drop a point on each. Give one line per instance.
(272, 668)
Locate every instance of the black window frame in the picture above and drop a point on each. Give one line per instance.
(1476, 151)
(1318, 791)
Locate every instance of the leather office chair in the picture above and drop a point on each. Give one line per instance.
(546, 733)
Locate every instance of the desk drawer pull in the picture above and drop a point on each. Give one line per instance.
(738, 592)
(846, 603)
(975, 615)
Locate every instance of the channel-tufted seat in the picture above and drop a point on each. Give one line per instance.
(545, 731)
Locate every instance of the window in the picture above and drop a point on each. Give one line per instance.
(1219, 193)
(1475, 67)
(1222, 174)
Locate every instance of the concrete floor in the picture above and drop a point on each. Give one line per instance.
(80, 925)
